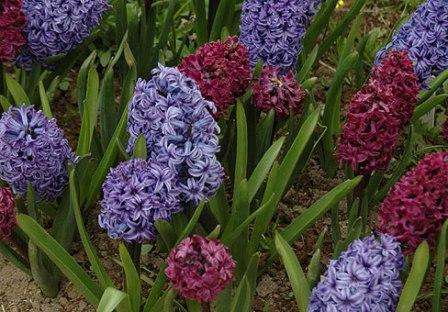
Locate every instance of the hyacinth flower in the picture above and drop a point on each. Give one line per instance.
(277, 91)
(425, 37)
(272, 30)
(378, 114)
(221, 71)
(180, 132)
(136, 194)
(200, 268)
(366, 277)
(7, 214)
(12, 22)
(417, 205)
(33, 151)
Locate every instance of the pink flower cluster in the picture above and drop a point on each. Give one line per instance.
(7, 213)
(417, 205)
(283, 93)
(12, 22)
(378, 114)
(200, 268)
(221, 70)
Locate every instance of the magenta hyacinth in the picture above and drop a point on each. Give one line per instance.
(200, 268)
(281, 92)
(417, 205)
(378, 114)
(7, 213)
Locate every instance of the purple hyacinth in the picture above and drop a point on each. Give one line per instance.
(273, 30)
(180, 131)
(135, 195)
(425, 36)
(33, 150)
(366, 277)
(58, 26)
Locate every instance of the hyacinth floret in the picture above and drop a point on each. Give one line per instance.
(221, 71)
(12, 22)
(33, 151)
(7, 213)
(417, 205)
(200, 268)
(180, 131)
(425, 37)
(378, 114)
(136, 194)
(57, 26)
(272, 30)
(366, 277)
(278, 91)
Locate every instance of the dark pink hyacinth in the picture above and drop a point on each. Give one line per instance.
(221, 70)
(417, 205)
(12, 22)
(200, 268)
(281, 92)
(7, 213)
(378, 114)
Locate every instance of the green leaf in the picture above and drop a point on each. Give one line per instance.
(140, 150)
(16, 259)
(440, 268)
(434, 86)
(167, 24)
(192, 223)
(44, 101)
(156, 290)
(4, 103)
(133, 283)
(415, 279)
(17, 92)
(296, 276)
(110, 300)
(264, 133)
(201, 21)
(81, 82)
(224, 12)
(316, 210)
(428, 105)
(307, 65)
(219, 207)
(241, 301)
(314, 268)
(242, 144)
(61, 258)
(167, 233)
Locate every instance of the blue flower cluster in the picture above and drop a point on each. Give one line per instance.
(136, 194)
(425, 37)
(57, 26)
(272, 30)
(366, 277)
(180, 131)
(33, 150)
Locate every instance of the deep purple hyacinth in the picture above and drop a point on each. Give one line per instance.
(58, 26)
(273, 30)
(425, 37)
(135, 195)
(366, 277)
(180, 131)
(33, 150)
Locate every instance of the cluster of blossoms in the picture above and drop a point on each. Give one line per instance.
(33, 150)
(281, 92)
(378, 113)
(7, 213)
(12, 21)
(180, 131)
(417, 206)
(200, 268)
(221, 71)
(366, 277)
(425, 37)
(273, 30)
(136, 194)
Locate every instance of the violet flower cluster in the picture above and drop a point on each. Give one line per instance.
(273, 30)
(425, 37)
(281, 92)
(135, 195)
(200, 268)
(378, 114)
(221, 71)
(7, 213)
(12, 22)
(417, 205)
(180, 131)
(58, 26)
(366, 277)
(33, 151)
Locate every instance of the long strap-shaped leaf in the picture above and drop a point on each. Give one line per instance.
(133, 284)
(440, 268)
(111, 298)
